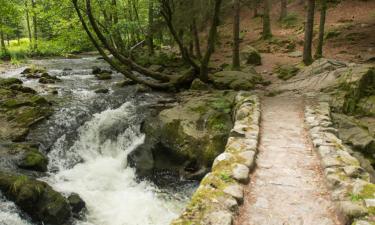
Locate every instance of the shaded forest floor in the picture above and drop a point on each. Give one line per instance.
(350, 35)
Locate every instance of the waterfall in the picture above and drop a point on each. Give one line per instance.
(95, 168)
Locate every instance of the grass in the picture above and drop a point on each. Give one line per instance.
(290, 21)
(18, 51)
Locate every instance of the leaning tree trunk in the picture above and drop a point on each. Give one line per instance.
(283, 10)
(236, 35)
(266, 21)
(309, 31)
(197, 44)
(323, 12)
(33, 4)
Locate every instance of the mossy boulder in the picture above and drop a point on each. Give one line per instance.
(20, 108)
(285, 72)
(48, 79)
(236, 80)
(189, 135)
(36, 198)
(9, 81)
(34, 160)
(251, 56)
(199, 85)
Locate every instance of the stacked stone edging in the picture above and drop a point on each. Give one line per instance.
(350, 184)
(217, 199)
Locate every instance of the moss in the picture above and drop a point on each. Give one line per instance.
(34, 160)
(9, 81)
(290, 21)
(285, 72)
(368, 191)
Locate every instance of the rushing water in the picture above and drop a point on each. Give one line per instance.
(88, 139)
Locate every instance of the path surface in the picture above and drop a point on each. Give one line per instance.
(287, 187)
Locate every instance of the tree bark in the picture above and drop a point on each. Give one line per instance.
(283, 10)
(33, 4)
(266, 21)
(28, 22)
(236, 36)
(309, 31)
(255, 8)
(197, 44)
(323, 13)
(2, 41)
(150, 35)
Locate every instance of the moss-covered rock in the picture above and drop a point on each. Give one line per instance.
(199, 85)
(285, 72)
(20, 108)
(36, 198)
(103, 76)
(190, 134)
(251, 56)
(34, 160)
(235, 80)
(9, 81)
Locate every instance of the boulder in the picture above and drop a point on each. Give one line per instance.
(103, 76)
(102, 91)
(9, 81)
(354, 133)
(251, 56)
(76, 203)
(235, 80)
(36, 198)
(199, 85)
(285, 72)
(34, 160)
(187, 136)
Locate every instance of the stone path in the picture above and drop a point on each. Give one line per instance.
(287, 187)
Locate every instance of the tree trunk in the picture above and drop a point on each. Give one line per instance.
(196, 40)
(266, 21)
(236, 35)
(309, 31)
(323, 12)
(28, 22)
(255, 8)
(150, 35)
(212, 37)
(2, 41)
(284, 10)
(33, 4)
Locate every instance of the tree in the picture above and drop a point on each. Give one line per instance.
(283, 10)
(323, 12)
(236, 35)
(102, 40)
(309, 31)
(150, 35)
(35, 24)
(266, 20)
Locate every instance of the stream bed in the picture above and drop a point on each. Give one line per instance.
(87, 141)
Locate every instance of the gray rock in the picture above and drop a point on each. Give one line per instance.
(218, 218)
(236, 191)
(249, 158)
(352, 209)
(240, 172)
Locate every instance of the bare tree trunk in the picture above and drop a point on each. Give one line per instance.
(309, 31)
(255, 8)
(266, 21)
(2, 41)
(33, 4)
(150, 35)
(236, 36)
(203, 76)
(284, 9)
(196, 40)
(323, 13)
(28, 22)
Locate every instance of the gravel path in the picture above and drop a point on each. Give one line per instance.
(287, 187)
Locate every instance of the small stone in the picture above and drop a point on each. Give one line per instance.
(236, 191)
(102, 91)
(249, 158)
(229, 202)
(222, 157)
(76, 202)
(352, 209)
(241, 173)
(218, 218)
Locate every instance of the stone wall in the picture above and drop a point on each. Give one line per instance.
(221, 191)
(350, 184)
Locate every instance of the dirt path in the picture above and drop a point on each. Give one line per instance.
(287, 187)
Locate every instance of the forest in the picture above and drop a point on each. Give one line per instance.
(187, 112)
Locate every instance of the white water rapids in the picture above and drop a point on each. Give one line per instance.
(103, 180)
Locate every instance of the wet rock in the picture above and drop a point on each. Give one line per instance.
(36, 198)
(251, 56)
(34, 160)
(102, 91)
(235, 80)
(193, 131)
(96, 70)
(48, 79)
(126, 82)
(20, 88)
(103, 76)
(9, 81)
(76, 203)
(33, 70)
(141, 88)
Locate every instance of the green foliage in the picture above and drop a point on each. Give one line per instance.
(290, 21)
